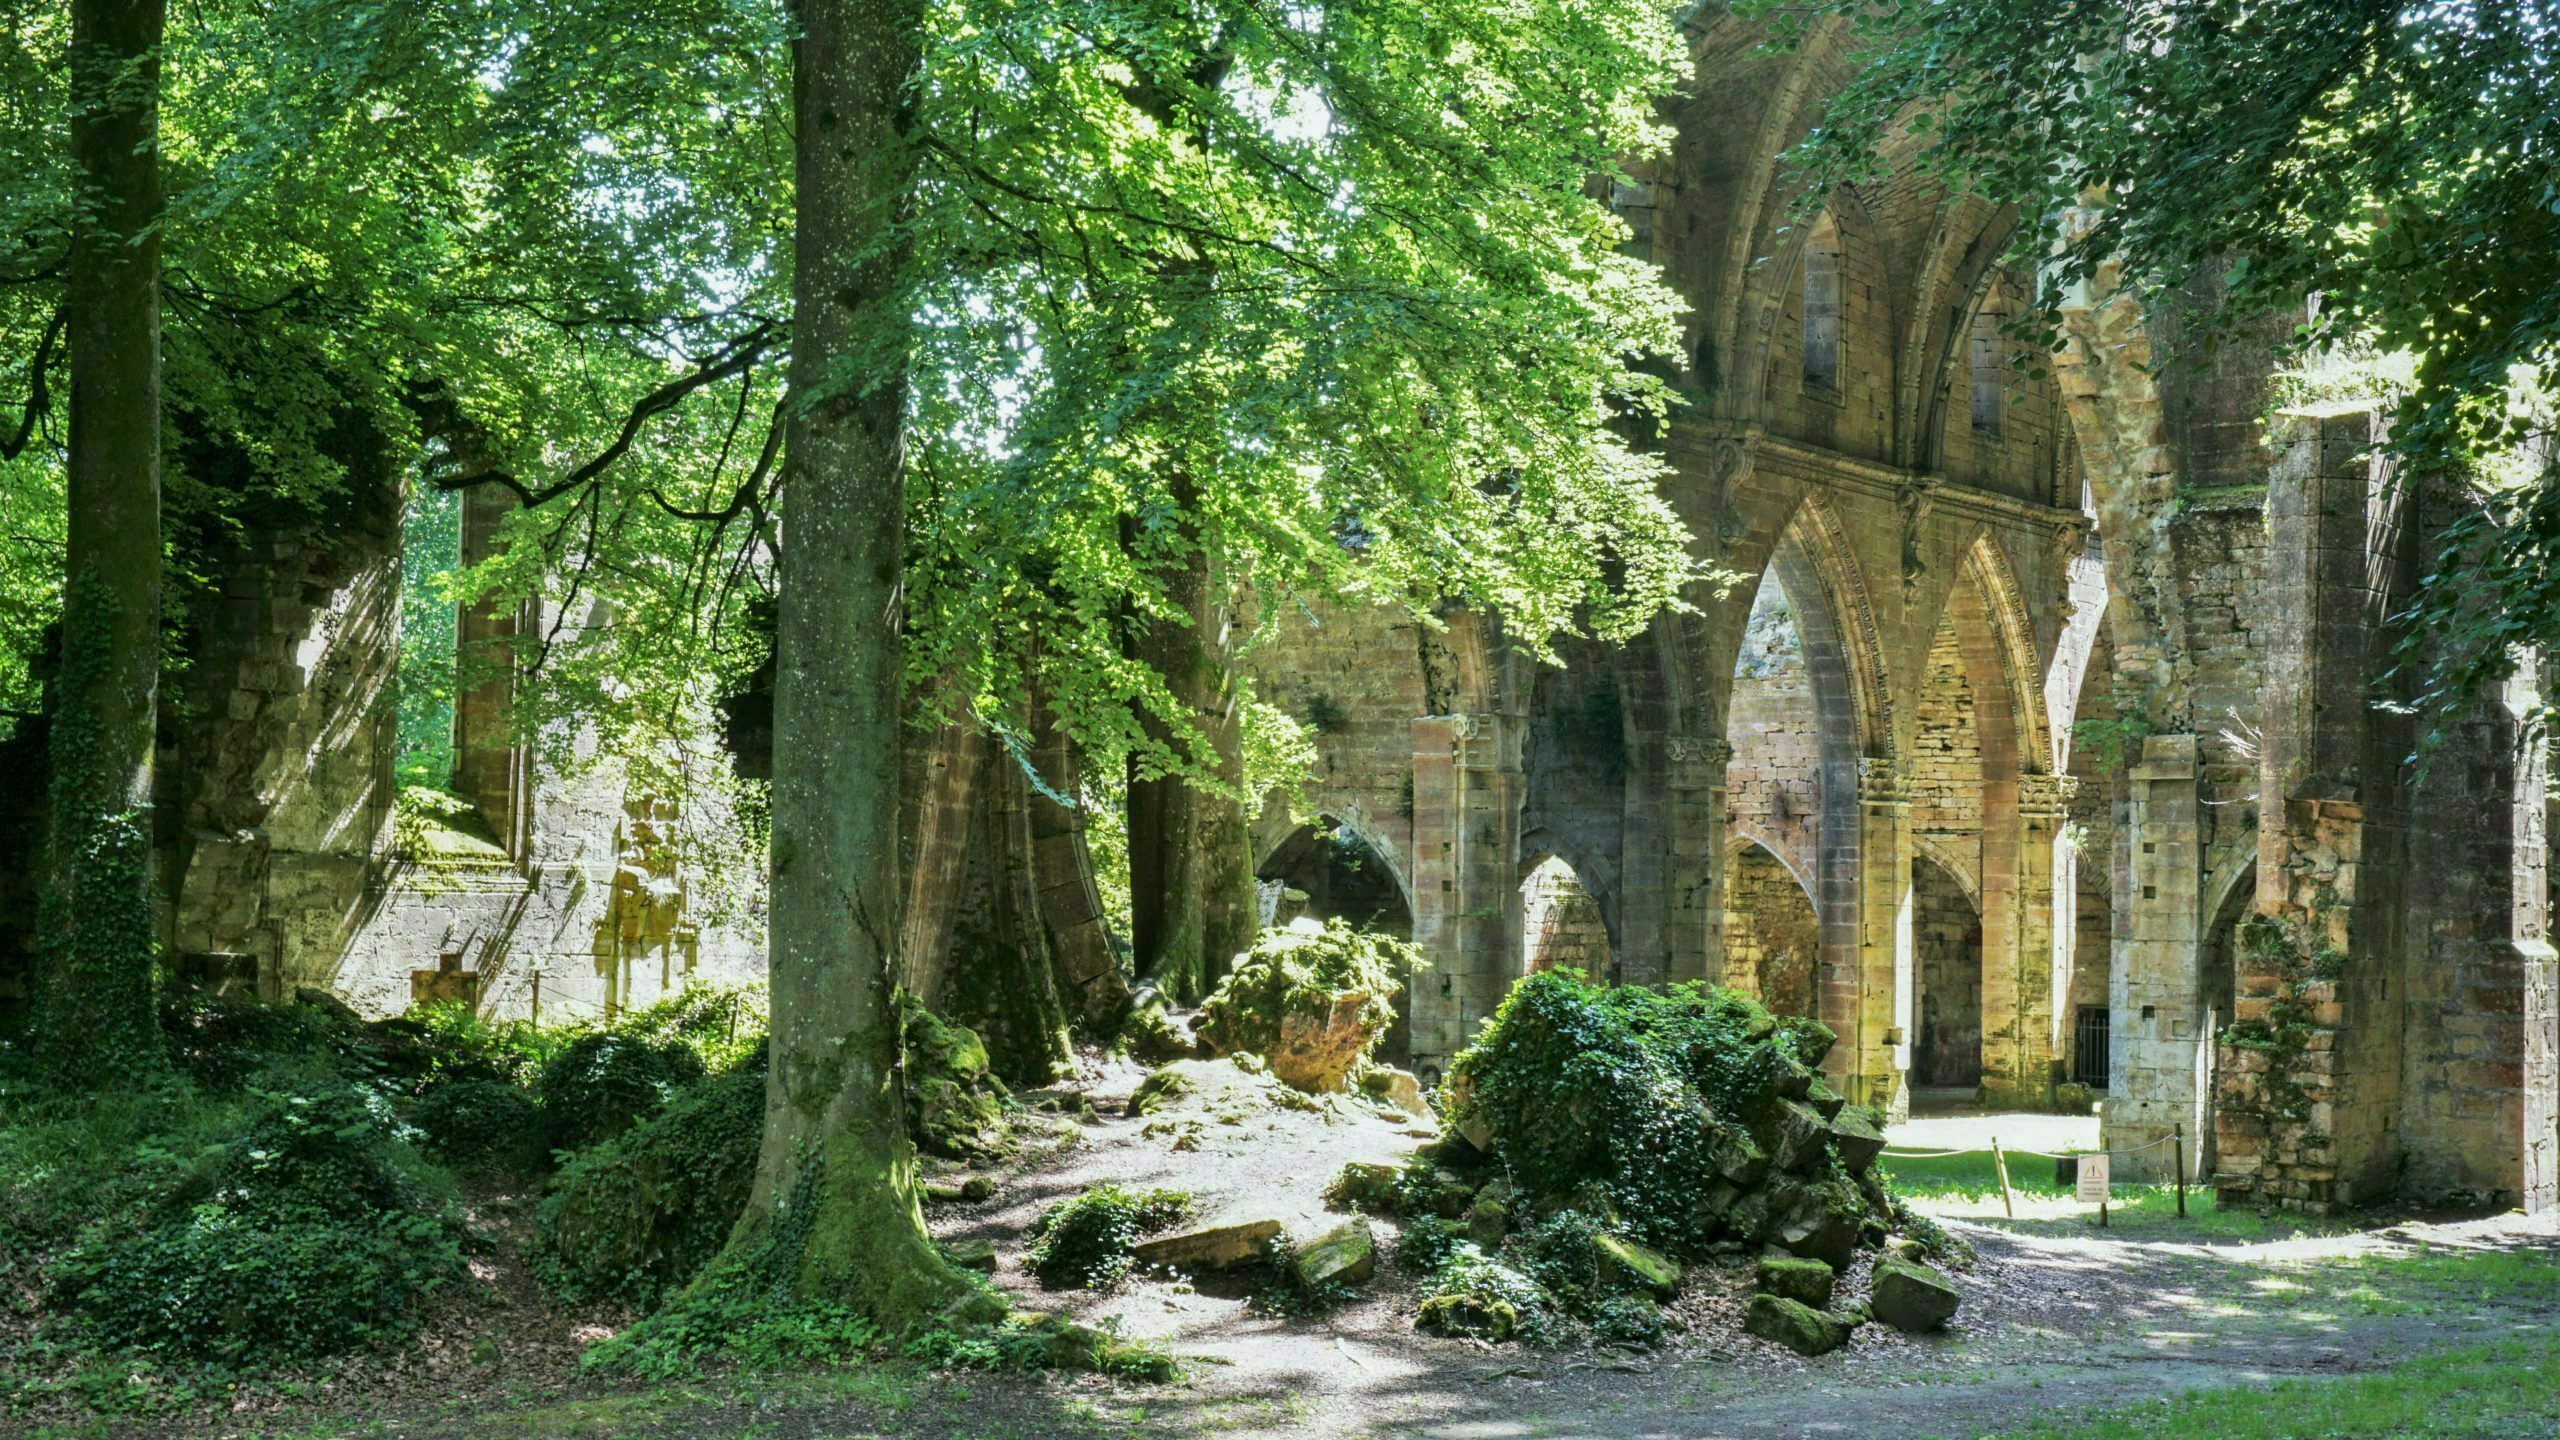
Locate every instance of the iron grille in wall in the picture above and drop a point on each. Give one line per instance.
(2089, 1047)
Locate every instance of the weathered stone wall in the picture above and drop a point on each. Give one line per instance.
(1946, 934)
(275, 781)
(1560, 924)
(1356, 677)
(1772, 942)
(1773, 783)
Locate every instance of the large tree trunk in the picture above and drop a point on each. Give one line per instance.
(1080, 950)
(946, 813)
(1228, 915)
(95, 1019)
(999, 979)
(834, 1208)
(1164, 812)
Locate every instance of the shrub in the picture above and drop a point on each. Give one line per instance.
(606, 1081)
(639, 1215)
(724, 1025)
(222, 1285)
(220, 1042)
(475, 1124)
(1084, 1241)
(1472, 1294)
(1627, 1320)
(309, 1230)
(1428, 1243)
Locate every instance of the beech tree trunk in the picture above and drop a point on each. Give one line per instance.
(95, 1021)
(837, 1175)
(1164, 812)
(999, 979)
(1228, 916)
(1089, 981)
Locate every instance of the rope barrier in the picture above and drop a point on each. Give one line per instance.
(2040, 1154)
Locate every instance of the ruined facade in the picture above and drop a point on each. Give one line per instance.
(2029, 739)
(2034, 746)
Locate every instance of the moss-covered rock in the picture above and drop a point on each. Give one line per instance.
(1347, 1254)
(1625, 1262)
(1911, 1297)
(1807, 1282)
(955, 1104)
(1797, 1326)
(1366, 1185)
(1688, 1115)
(1314, 1002)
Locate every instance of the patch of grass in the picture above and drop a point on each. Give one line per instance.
(1968, 1187)
(2479, 1392)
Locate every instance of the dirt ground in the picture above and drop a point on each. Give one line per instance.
(2057, 1316)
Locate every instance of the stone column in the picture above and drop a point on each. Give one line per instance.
(2308, 1102)
(2018, 1069)
(488, 769)
(1466, 838)
(2481, 1074)
(1696, 876)
(2155, 993)
(1868, 992)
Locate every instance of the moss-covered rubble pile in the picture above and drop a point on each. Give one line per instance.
(1595, 1138)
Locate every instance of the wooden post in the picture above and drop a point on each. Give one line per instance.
(2000, 1162)
(2178, 1138)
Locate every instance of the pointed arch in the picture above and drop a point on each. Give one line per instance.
(1987, 566)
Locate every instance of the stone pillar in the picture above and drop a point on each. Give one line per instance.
(1869, 993)
(488, 769)
(1696, 878)
(1466, 838)
(2018, 1067)
(2481, 1071)
(2155, 993)
(2308, 1102)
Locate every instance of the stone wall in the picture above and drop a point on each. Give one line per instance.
(1560, 924)
(1772, 943)
(1946, 935)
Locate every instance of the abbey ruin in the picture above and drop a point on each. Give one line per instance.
(2035, 745)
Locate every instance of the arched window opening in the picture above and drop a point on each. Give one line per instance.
(1989, 359)
(1326, 872)
(1822, 297)
(1946, 937)
(1772, 941)
(1560, 923)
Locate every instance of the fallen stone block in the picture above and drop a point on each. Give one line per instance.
(1347, 1254)
(1647, 1269)
(1396, 1087)
(1209, 1247)
(1796, 1325)
(1807, 1282)
(1854, 1134)
(1911, 1297)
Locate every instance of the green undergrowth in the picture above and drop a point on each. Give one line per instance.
(2495, 1391)
(288, 1190)
(1083, 1241)
(745, 1313)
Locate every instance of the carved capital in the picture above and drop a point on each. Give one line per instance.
(1698, 761)
(1880, 784)
(2046, 798)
